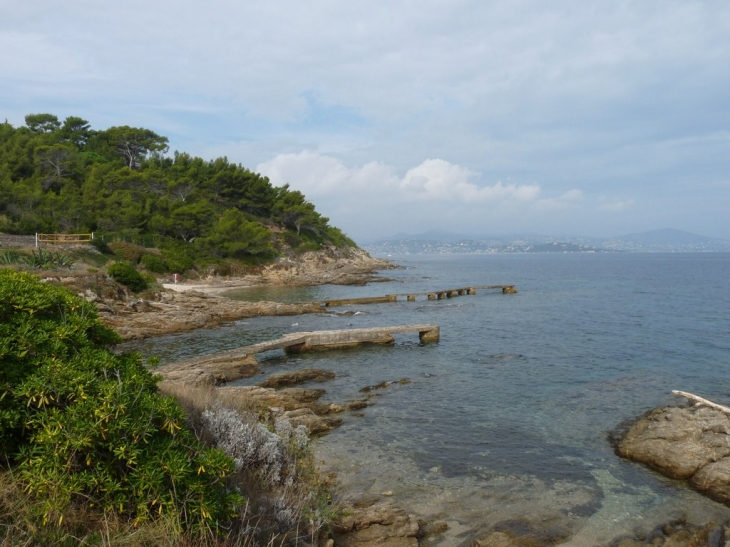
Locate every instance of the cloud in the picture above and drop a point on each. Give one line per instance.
(374, 198)
(434, 180)
(499, 108)
(615, 205)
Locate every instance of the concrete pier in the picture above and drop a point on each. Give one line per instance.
(313, 340)
(335, 339)
(412, 297)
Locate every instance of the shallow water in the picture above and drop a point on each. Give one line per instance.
(506, 417)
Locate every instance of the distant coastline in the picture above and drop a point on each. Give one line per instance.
(661, 241)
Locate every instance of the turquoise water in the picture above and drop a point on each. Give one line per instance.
(506, 417)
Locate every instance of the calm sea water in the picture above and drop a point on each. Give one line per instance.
(505, 420)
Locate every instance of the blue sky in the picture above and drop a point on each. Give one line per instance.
(573, 118)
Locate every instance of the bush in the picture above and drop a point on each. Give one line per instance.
(276, 469)
(101, 246)
(180, 256)
(84, 426)
(126, 275)
(154, 263)
(127, 251)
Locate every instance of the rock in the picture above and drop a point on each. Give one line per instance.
(376, 525)
(714, 480)
(315, 424)
(680, 534)
(689, 443)
(525, 533)
(496, 539)
(182, 312)
(678, 441)
(209, 371)
(288, 399)
(383, 385)
(297, 377)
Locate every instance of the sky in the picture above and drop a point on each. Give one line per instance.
(478, 117)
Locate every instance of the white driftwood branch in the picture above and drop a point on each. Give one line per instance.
(701, 401)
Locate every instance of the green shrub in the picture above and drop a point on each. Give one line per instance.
(40, 258)
(154, 263)
(179, 255)
(126, 275)
(62, 260)
(84, 426)
(127, 251)
(101, 246)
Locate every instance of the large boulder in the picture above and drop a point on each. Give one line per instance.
(689, 443)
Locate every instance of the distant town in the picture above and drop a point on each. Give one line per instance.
(667, 241)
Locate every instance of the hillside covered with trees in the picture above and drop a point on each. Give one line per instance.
(63, 176)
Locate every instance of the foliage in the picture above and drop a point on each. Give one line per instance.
(276, 468)
(11, 256)
(84, 426)
(39, 259)
(234, 236)
(127, 251)
(128, 276)
(101, 246)
(154, 263)
(64, 176)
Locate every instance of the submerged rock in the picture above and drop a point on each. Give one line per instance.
(297, 377)
(688, 443)
(380, 524)
(680, 534)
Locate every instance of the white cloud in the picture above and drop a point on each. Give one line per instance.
(434, 180)
(436, 193)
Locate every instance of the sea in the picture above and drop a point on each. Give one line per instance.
(504, 423)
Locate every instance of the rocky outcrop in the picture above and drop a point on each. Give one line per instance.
(380, 525)
(300, 406)
(688, 443)
(297, 377)
(332, 265)
(182, 312)
(209, 371)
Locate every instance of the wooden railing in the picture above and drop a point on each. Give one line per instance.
(63, 239)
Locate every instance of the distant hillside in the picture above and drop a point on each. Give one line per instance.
(668, 240)
(63, 176)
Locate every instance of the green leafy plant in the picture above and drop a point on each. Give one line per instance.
(126, 275)
(87, 427)
(11, 256)
(62, 260)
(40, 258)
(155, 263)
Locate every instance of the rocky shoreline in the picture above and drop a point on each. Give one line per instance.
(195, 304)
(685, 443)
